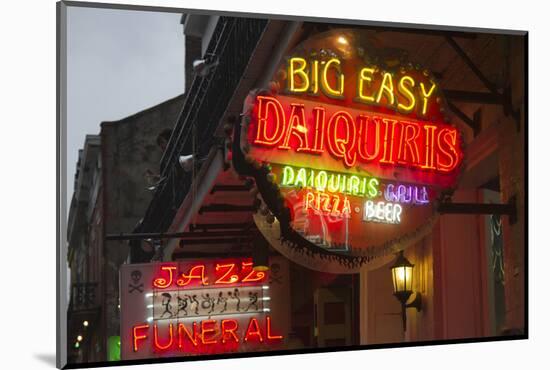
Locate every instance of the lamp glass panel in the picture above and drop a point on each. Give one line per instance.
(396, 280)
(408, 278)
(402, 278)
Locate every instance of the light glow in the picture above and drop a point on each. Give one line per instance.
(342, 40)
(165, 282)
(402, 276)
(406, 194)
(353, 137)
(328, 204)
(332, 182)
(205, 333)
(168, 343)
(407, 92)
(385, 212)
(137, 337)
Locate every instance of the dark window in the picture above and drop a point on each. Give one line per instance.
(335, 313)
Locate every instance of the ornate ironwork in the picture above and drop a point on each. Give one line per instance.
(233, 42)
(83, 296)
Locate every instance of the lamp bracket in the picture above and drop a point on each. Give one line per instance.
(416, 303)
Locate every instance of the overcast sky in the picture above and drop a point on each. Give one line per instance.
(119, 62)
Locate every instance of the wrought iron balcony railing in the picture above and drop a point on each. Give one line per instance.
(83, 296)
(233, 42)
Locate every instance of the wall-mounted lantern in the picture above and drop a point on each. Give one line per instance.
(402, 275)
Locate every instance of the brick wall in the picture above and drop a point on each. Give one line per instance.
(128, 151)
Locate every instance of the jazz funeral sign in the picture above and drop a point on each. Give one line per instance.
(359, 150)
(196, 307)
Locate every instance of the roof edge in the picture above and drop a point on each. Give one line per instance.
(142, 112)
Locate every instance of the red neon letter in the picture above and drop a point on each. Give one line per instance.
(205, 331)
(346, 208)
(308, 200)
(136, 337)
(157, 344)
(446, 142)
(163, 283)
(278, 121)
(338, 146)
(325, 199)
(226, 278)
(389, 136)
(252, 275)
(409, 133)
(182, 332)
(319, 138)
(297, 127)
(250, 331)
(429, 142)
(268, 330)
(364, 138)
(186, 279)
(231, 330)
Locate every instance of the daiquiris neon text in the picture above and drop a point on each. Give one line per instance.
(353, 136)
(352, 141)
(330, 181)
(340, 195)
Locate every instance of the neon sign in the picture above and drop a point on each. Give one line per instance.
(358, 146)
(341, 195)
(177, 304)
(224, 274)
(330, 181)
(188, 337)
(406, 194)
(199, 307)
(373, 86)
(328, 204)
(352, 136)
(382, 212)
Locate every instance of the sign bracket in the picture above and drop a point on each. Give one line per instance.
(507, 209)
(474, 123)
(493, 97)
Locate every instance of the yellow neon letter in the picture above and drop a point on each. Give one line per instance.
(365, 76)
(299, 71)
(386, 86)
(408, 93)
(425, 96)
(340, 76)
(315, 77)
(288, 176)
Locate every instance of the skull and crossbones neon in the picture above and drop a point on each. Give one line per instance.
(136, 277)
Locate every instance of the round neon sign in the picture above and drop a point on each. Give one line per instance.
(350, 150)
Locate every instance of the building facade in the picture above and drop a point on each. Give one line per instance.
(469, 265)
(216, 256)
(116, 173)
